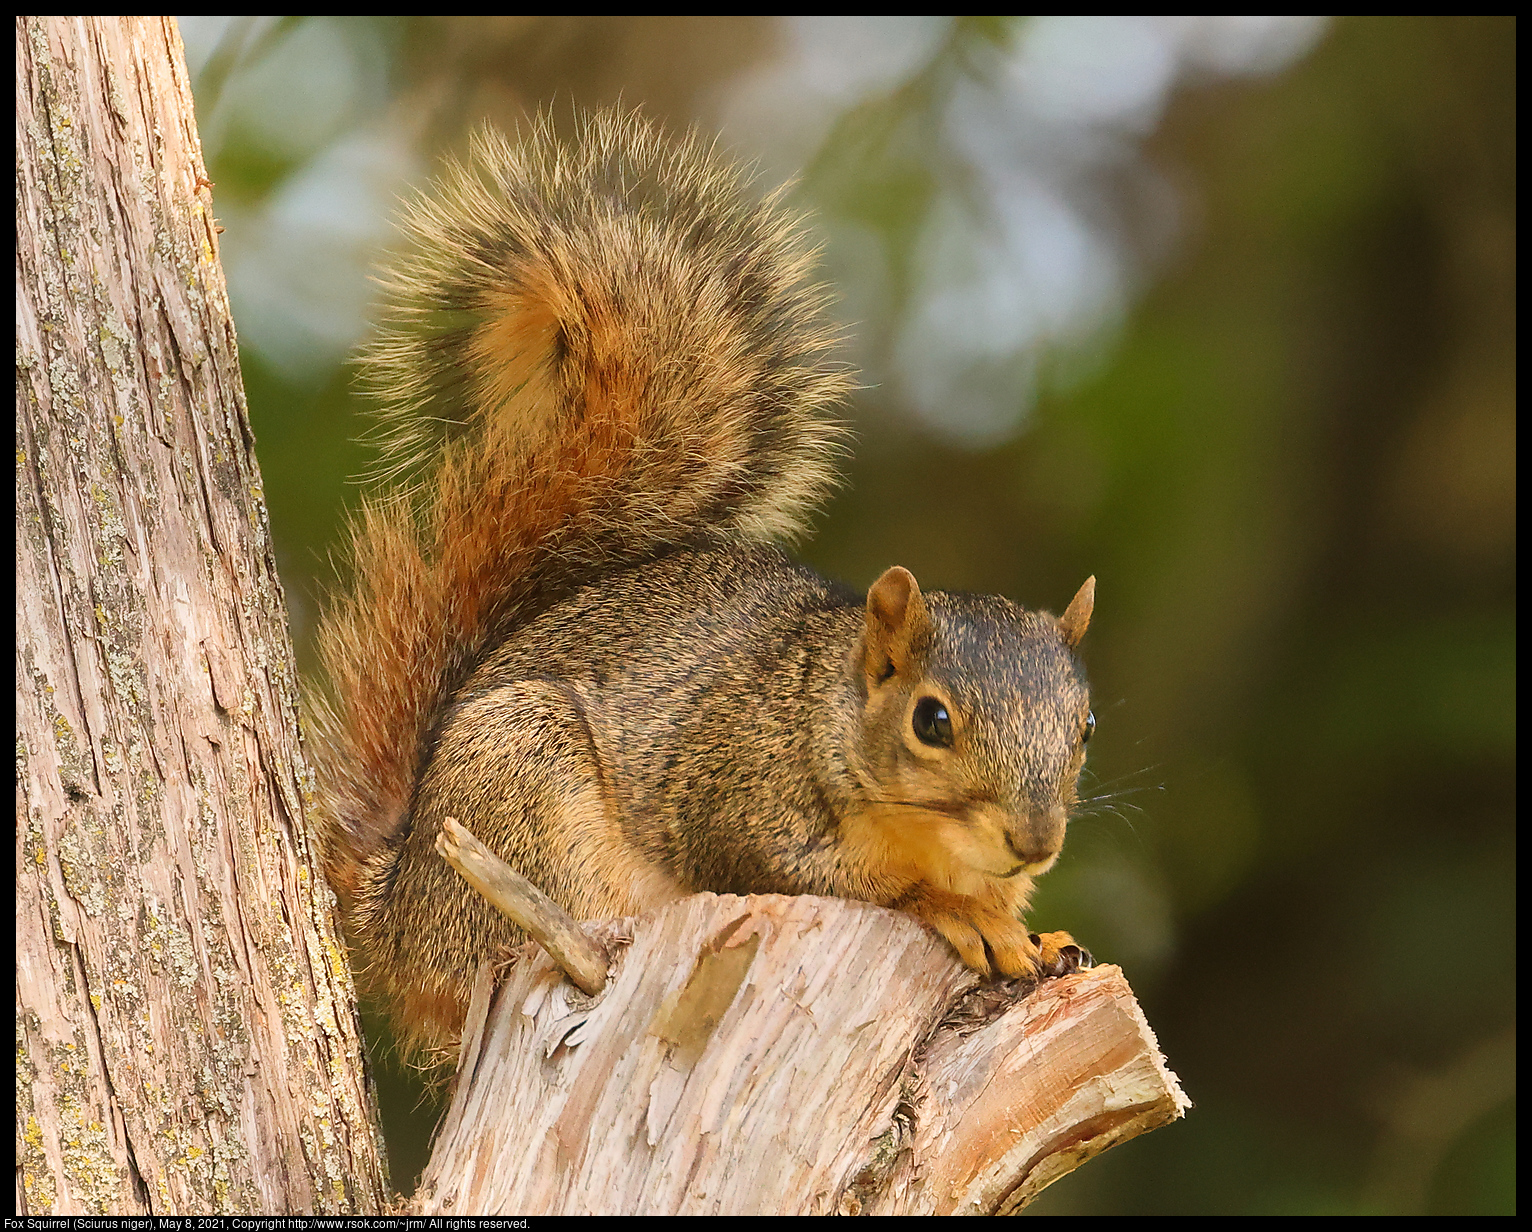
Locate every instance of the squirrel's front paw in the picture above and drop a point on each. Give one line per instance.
(1060, 954)
(986, 939)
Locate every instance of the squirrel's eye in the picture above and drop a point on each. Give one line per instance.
(1090, 727)
(932, 723)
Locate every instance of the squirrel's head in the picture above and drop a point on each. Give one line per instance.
(974, 726)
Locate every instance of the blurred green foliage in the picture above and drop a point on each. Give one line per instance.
(1291, 470)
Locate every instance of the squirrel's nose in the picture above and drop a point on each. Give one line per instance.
(1038, 837)
(1031, 853)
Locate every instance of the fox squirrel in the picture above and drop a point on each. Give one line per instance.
(608, 392)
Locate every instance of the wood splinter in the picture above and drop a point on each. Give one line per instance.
(583, 959)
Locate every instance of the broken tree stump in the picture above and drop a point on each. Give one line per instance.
(786, 1055)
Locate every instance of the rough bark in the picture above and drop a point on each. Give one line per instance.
(186, 1034)
(774, 1055)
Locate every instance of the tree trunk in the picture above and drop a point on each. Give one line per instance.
(771, 1055)
(187, 1039)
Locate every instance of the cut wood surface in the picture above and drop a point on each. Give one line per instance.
(786, 1055)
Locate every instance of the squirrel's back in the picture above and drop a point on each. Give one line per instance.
(590, 354)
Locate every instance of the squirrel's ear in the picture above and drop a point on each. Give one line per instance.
(897, 624)
(1076, 617)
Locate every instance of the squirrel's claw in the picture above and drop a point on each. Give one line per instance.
(1060, 954)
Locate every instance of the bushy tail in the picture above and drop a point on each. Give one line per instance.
(588, 354)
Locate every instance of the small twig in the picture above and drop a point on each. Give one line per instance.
(582, 958)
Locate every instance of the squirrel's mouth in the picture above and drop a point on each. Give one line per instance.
(997, 860)
(974, 838)
(1036, 868)
(1033, 868)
